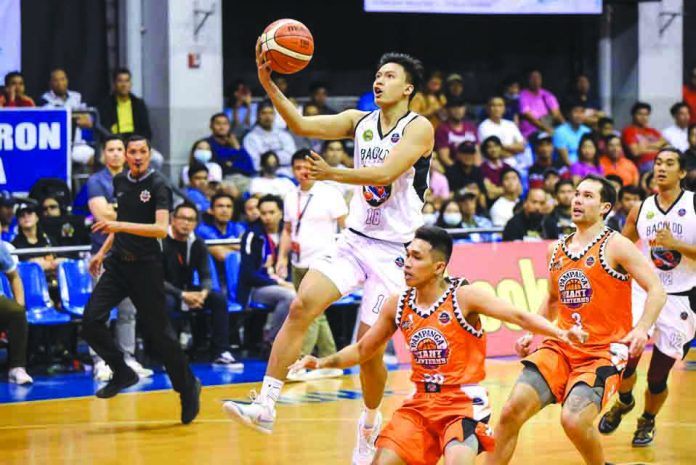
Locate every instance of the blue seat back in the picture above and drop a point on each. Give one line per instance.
(35, 286)
(75, 283)
(232, 264)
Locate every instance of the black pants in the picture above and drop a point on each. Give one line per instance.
(220, 331)
(143, 282)
(14, 317)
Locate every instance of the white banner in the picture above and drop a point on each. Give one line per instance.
(486, 7)
(10, 37)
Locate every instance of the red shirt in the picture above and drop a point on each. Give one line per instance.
(689, 95)
(634, 134)
(17, 102)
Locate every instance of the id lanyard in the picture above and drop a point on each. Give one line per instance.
(300, 214)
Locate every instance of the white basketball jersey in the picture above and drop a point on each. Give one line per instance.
(389, 213)
(676, 271)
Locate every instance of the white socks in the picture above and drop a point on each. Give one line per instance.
(270, 391)
(369, 416)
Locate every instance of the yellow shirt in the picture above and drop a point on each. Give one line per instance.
(124, 116)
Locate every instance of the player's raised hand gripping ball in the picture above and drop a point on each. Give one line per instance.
(287, 45)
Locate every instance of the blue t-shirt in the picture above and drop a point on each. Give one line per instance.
(232, 161)
(198, 198)
(100, 184)
(210, 231)
(12, 230)
(565, 137)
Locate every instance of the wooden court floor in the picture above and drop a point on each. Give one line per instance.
(315, 426)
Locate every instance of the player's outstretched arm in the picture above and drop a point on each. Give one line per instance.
(318, 127)
(417, 141)
(483, 302)
(364, 349)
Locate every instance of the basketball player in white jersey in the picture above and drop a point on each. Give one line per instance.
(392, 159)
(665, 223)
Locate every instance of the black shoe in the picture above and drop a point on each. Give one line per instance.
(645, 432)
(612, 419)
(191, 403)
(121, 380)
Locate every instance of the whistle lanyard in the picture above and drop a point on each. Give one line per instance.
(300, 214)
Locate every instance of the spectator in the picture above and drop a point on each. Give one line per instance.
(676, 135)
(454, 131)
(301, 142)
(183, 255)
(450, 216)
(237, 166)
(263, 138)
(122, 112)
(464, 169)
(605, 128)
(319, 95)
(243, 110)
(257, 278)
(617, 184)
(335, 154)
(629, 197)
(503, 208)
(13, 317)
(511, 94)
(269, 182)
(197, 189)
(312, 215)
(642, 142)
(8, 220)
(455, 87)
(201, 152)
(431, 101)
(468, 205)
(614, 162)
(429, 214)
(588, 159)
(221, 226)
(581, 94)
(539, 108)
(14, 94)
(508, 133)
(65, 228)
(689, 158)
(543, 155)
(492, 166)
(251, 209)
(559, 223)
(566, 138)
(689, 94)
(648, 183)
(526, 225)
(102, 206)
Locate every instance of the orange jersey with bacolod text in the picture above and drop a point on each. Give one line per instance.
(446, 350)
(591, 294)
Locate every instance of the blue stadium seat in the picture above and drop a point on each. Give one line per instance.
(40, 310)
(213, 273)
(75, 285)
(232, 264)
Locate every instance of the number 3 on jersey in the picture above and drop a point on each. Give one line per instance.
(578, 319)
(374, 215)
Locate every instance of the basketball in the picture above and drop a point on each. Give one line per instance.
(289, 45)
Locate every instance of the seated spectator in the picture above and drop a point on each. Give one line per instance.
(263, 138)
(543, 161)
(566, 137)
(617, 184)
(559, 222)
(221, 226)
(269, 182)
(197, 189)
(13, 317)
(676, 135)
(8, 220)
(551, 178)
(301, 142)
(201, 152)
(614, 162)
(237, 166)
(430, 102)
(14, 94)
(588, 160)
(509, 134)
(492, 165)
(122, 112)
(482, 201)
(648, 183)
(243, 110)
(689, 158)
(629, 197)
(503, 208)
(251, 209)
(450, 216)
(605, 128)
(581, 94)
(468, 205)
(257, 279)
(453, 131)
(539, 108)
(455, 87)
(511, 95)
(641, 141)
(689, 94)
(526, 225)
(335, 154)
(430, 214)
(65, 228)
(464, 169)
(318, 96)
(183, 255)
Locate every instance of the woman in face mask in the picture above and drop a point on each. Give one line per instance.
(429, 214)
(450, 215)
(201, 152)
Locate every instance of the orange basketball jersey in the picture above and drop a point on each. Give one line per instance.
(446, 350)
(591, 293)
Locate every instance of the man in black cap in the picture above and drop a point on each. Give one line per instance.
(542, 143)
(134, 269)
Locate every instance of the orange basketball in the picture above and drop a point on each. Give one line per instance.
(289, 45)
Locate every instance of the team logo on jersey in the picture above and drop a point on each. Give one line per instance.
(682, 212)
(406, 324)
(399, 262)
(650, 215)
(367, 135)
(67, 230)
(590, 261)
(145, 196)
(557, 265)
(665, 259)
(574, 289)
(444, 318)
(376, 195)
(429, 348)
(395, 138)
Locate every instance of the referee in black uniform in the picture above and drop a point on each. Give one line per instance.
(133, 268)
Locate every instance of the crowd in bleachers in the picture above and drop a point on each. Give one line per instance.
(510, 165)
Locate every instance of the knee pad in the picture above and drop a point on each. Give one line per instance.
(631, 367)
(657, 386)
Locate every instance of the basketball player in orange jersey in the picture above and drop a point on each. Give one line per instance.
(590, 287)
(440, 319)
(392, 160)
